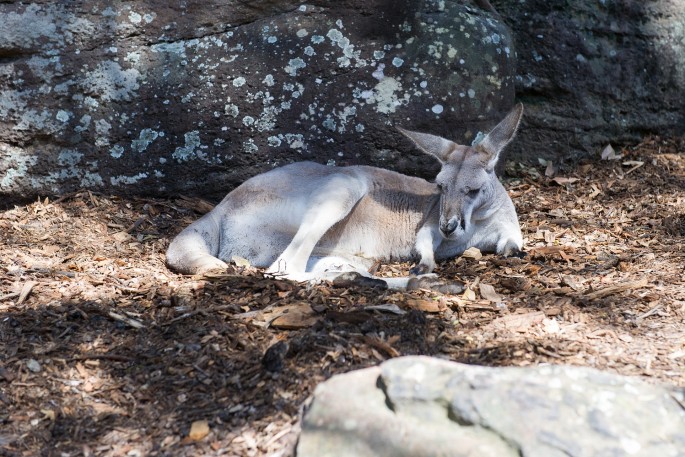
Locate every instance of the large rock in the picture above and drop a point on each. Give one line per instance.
(195, 96)
(592, 72)
(419, 406)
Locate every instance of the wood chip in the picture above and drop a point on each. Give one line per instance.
(292, 317)
(563, 181)
(622, 287)
(196, 204)
(472, 253)
(469, 295)
(519, 322)
(427, 306)
(122, 236)
(198, 430)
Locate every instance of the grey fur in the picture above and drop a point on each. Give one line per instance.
(310, 221)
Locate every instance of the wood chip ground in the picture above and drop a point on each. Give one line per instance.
(105, 352)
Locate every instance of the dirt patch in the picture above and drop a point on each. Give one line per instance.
(103, 351)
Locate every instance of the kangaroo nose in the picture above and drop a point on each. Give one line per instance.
(448, 228)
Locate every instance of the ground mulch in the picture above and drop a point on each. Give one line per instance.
(105, 352)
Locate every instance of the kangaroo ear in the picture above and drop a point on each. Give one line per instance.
(438, 147)
(495, 141)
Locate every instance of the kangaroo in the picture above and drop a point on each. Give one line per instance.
(310, 221)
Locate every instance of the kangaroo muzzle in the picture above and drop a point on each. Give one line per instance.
(449, 227)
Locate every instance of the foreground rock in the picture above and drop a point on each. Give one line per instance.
(194, 97)
(419, 406)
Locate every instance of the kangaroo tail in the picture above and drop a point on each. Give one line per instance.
(194, 250)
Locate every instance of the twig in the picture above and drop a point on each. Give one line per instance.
(25, 291)
(200, 370)
(616, 289)
(136, 224)
(126, 320)
(485, 5)
(381, 346)
(648, 313)
(206, 311)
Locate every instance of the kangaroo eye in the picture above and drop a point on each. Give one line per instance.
(473, 192)
(441, 187)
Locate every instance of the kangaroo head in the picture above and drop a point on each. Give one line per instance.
(467, 182)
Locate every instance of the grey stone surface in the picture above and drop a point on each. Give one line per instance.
(422, 406)
(596, 72)
(154, 97)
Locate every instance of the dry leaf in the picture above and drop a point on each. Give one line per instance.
(198, 430)
(49, 414)
(472, 253)
(488, 293)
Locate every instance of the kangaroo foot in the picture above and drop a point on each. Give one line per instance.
(432, 282)
(352, 278)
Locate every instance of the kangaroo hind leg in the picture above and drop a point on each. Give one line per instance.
(331, 203)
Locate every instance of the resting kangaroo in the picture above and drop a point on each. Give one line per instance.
(308, 221)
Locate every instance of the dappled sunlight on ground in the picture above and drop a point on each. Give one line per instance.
(103, 351)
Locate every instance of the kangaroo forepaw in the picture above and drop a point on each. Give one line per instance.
(515, 253)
